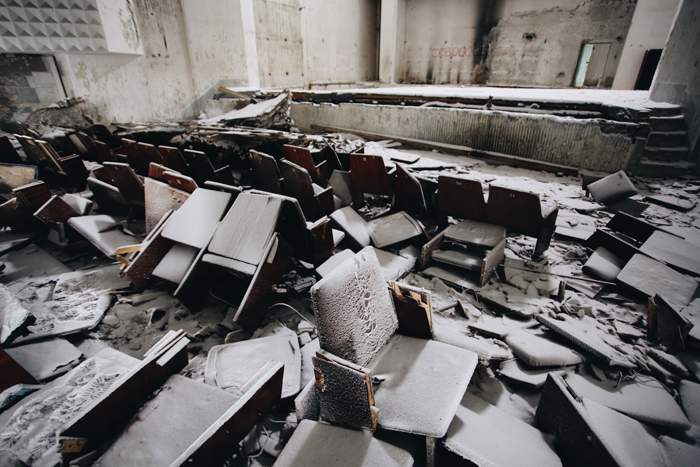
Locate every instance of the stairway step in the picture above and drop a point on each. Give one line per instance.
(667, 138)
(656, 169)
(666, 111)
(672, 123)
(666, 153)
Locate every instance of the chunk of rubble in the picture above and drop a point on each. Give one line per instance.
(46, 359)
(475, 435)
(537, 352)
(586, 336)
(320, 444)
(644, 399)
(78, 303)
(13, 314)
(233, 367)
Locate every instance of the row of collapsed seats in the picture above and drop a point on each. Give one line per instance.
(203, 231)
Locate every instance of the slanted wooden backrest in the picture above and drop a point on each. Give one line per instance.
(266, 172)
(461, 198)
(173, 158)
(354, 310)
(408, 193)
(518, 211)
(297, 183)
(368, 174)
(302, 157)
(137, 161)
(149, 152)
(129, 184)
(200, 165)
(103, 152)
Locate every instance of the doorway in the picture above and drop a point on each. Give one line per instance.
(592, 63)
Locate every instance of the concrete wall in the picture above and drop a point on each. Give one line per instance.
(589, 144)
(649, 29)
(214, 34)
(440, 37)
(192, 46)
(156, 85)
(340, 41)
(537, 42)
(503, 42)
(28, 82)
(677, 78)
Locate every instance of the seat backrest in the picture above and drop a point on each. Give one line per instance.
(297, 183)
(368, 174)
(265, 171)
(461, 198)
(173, 158)
(300, 156)
(354, 310)
(518, 211)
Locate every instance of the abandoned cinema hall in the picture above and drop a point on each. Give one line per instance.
(319, 233)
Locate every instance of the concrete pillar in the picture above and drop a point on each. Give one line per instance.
(391, 39)
(677, 78)
(250, 44)
(651, 24)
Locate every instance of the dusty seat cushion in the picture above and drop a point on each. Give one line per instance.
(354, 310)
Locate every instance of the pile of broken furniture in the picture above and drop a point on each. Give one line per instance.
(390, 369)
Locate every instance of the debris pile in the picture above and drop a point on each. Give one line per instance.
(227, 291)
